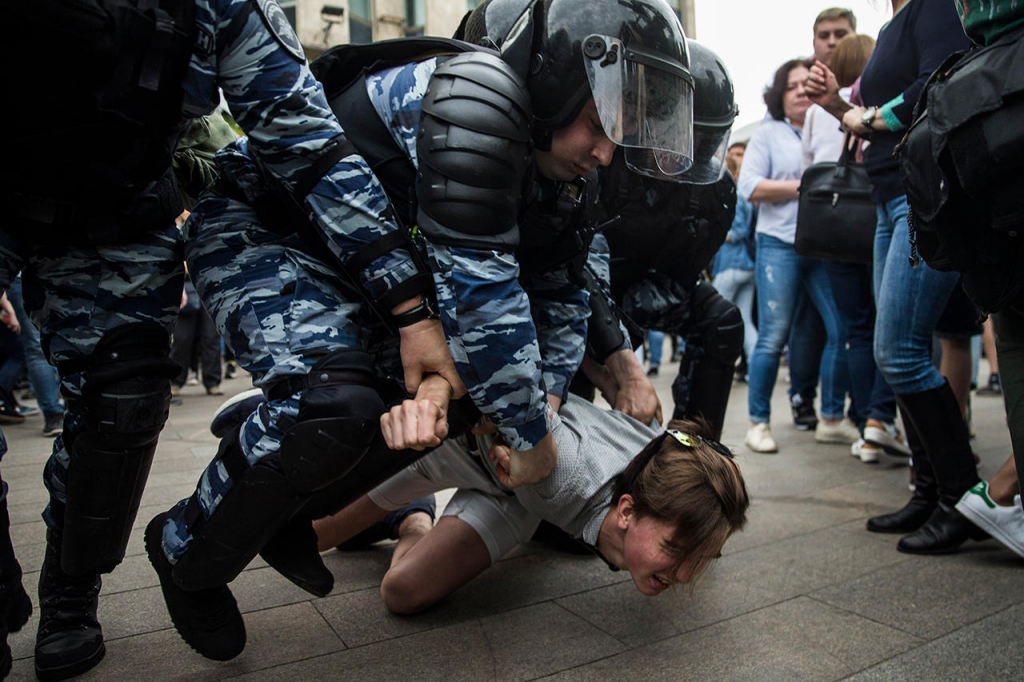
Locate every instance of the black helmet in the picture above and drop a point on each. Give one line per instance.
(630, 55)
(713, 114)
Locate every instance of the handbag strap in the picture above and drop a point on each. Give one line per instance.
(849, 155)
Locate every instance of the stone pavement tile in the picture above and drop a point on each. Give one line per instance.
(262, 588)
(987, 650)
(275, 637)
(932, 596)
(770, 519)
(737, 584)
(358, 570)
(799, 639)
(523, 644)
(360, 617)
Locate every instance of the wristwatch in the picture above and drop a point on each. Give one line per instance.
(869, 116)
(425, 310)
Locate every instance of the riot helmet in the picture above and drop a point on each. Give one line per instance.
(714, 112)
(629, 55)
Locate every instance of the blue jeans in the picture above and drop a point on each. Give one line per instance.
(780, 274)
(27, 354)
(871, 396)
(737, 285)
(655, 340)
(909, 301)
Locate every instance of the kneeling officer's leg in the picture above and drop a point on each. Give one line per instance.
(211, 540)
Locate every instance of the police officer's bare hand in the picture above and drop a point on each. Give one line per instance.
(523, 467)
(421, 422)
(634, 394)
(424, 350)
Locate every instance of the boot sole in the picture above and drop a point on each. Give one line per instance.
(72, 670)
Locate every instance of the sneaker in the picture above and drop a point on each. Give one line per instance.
(804, 417)
(1005, 524)
(235, 410)
(193, 380)
(208, 620)
(53, 424)
(652, 372)
(759, 439)
(175, 390)
(864, 451)
(844, 432)
(887, 437)
(214, 390)
(993, 387)
(28, 411)
(229, 369)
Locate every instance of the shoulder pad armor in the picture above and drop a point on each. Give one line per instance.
(473, 151)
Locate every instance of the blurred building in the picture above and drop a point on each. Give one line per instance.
(324, 23)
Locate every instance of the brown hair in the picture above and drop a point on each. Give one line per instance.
(836, 14)
(697, 487)
(850, 57)
(774, 94)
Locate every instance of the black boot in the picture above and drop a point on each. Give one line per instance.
(943, 432)
(945, 531)
(293, 553)
(15, 606)
(208, 620)
(924, 500)
(69, 640)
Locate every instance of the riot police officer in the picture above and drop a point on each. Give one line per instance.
(447, 148)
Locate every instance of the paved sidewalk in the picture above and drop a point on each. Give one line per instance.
(805, 593)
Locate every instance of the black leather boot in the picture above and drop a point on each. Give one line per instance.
(943, 432)
(208, 620)
(15, 606)
(293, 553)
(69, 640)
(924, 500)
(944, 532)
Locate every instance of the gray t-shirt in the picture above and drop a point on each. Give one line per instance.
(594, 445)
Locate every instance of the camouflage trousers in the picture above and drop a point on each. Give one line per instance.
(76, 294)
(278, 308)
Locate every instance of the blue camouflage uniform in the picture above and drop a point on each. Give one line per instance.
(514, 334)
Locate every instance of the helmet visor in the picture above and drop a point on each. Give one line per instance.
(710, 145)
(645, 103)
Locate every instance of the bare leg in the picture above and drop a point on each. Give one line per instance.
(1003, 486)
(988, 342)
(956, 367)
(353, 519)
(433, 565)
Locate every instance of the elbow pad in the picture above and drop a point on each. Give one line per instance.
(473, 151)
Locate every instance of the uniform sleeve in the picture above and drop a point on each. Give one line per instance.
(282, 108)
(560, 308)
(492, 339)
(757, 163)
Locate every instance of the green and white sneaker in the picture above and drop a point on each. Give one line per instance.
(1005, 524)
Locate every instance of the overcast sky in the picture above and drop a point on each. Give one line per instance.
(754, 37)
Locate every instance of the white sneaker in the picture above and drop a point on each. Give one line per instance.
(759, 439)
(888, 438)
(856, 447)
(1005, 524)
(869, 454)
(844, 432)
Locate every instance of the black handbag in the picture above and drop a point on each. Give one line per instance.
(836, 217)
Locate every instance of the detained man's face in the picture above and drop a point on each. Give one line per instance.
(576, 149)
(827, 35)
(649, 554)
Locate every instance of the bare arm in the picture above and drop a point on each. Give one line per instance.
(823, 89)
(421, 422)
(772, 191)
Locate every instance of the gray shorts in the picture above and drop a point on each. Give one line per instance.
(497, 517)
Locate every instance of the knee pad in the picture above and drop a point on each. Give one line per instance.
(124, 404)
